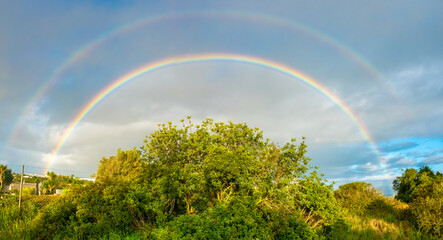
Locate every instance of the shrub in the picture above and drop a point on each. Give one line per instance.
(427, 208)
(356, 196)
(207, 181)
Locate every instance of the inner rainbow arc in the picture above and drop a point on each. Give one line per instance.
(208, 57)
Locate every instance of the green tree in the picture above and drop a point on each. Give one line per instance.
(411, 180)
(207, 181)
(198, 166)
(423, 191)
(427, 207)
(55, 181)
(356, 196)
(126, 166)
(50, 184)
(6, 177)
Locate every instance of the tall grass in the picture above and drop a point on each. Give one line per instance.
(14, 222)
(384, 218)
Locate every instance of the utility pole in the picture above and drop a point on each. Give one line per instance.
(21, 188)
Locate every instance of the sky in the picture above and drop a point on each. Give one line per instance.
(362, 81)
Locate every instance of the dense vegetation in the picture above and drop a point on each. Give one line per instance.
(223, 181)
(5, 176)
(423, 191)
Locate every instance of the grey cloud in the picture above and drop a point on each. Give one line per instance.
(398, 147)
(401, 162)
(433, 160)
(424, 154)
(415, 113)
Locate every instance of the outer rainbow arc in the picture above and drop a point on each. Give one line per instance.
(281, 22)
(87, 49)
(209, 57)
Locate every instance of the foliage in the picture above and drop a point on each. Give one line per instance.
(367, 214)
(411, 180)
(6, 177)
(213, 180)
(237, 219)
(221, 181)
(427, 207)
(92, 210)
(356, 196)
(54, 181)
(126, 166)
(197, 166)
(14, 223)
(28, 191)
(423, 190)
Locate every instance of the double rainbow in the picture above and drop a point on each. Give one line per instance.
(89, 48)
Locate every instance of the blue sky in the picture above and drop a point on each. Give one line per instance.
(384, 60)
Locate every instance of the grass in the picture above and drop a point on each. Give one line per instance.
(14, 222)
(384, 218)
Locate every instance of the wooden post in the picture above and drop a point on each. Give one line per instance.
(21, 188)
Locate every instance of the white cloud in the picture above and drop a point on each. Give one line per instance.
(368, 167)
(405, 162)
(61, 160)
(366, 178)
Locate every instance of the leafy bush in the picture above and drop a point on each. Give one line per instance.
(28, 191)
(427, 208)
(356, 196)
(206, 181)
(423, 190)
(6, 177)
(89, 211)
(407, 184)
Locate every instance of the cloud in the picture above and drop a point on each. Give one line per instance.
(433, 160)
(395, 147)
(400, 161)
(425, 153)
(62, 160)
(246, 93)
(368, 178)
(367, 167)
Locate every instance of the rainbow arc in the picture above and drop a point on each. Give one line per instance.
(226, 57)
